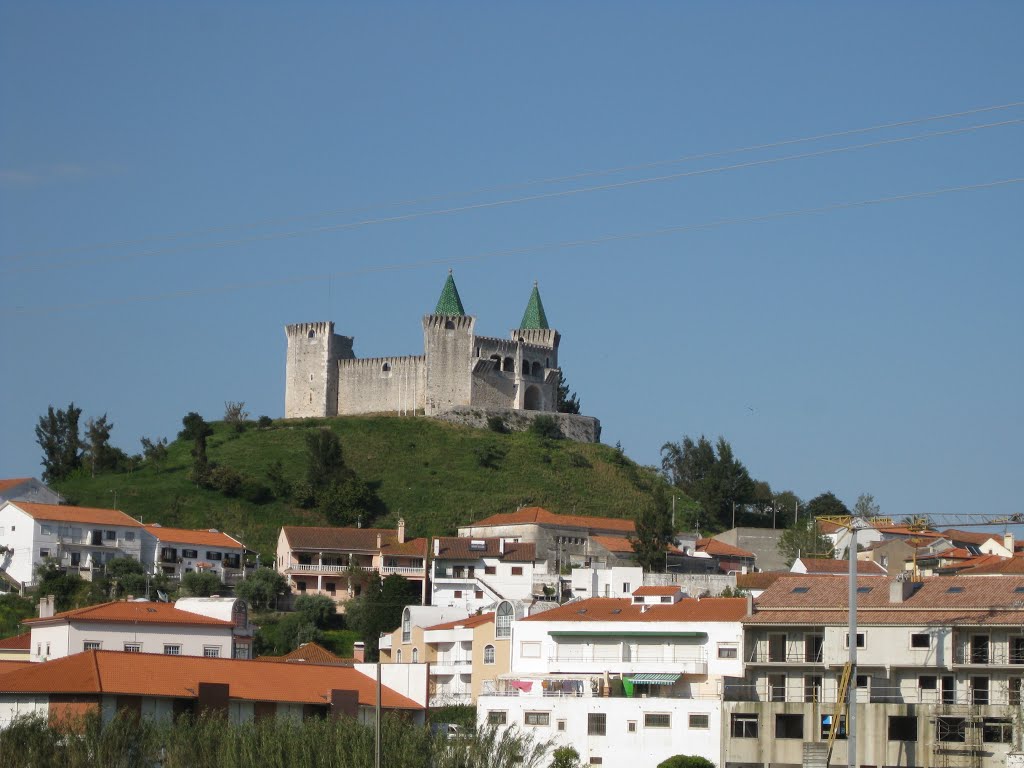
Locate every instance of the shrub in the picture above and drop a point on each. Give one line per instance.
(200, 584)
(686, 761)
(489, 456)
(264, 422)
(579, 460)
(546, 427)
(226, 480)
(496, 424)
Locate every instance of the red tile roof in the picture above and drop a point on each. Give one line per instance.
(310, 653)
(617, 544)
(717, 548)
(14, 666)
(541, 516)
(621, 609)
(656, 591)
(759, 580)
(65, 514)
(352, 539)
(824, 565)
(145, 674)
(132, 613)
(458, 548)
(971, 537)
(1004, 566)
(468, 622)
(200, 537)
(22, 642)
(12, 482)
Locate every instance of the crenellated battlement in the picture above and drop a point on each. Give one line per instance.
(541, 337)
(449, 322)
(379, 362)
(302, 329)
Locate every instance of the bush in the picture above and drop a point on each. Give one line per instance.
(496, 424)
(200, 584)
(489, 456)
(579, 460)
(226, 480)
(686, 761)
(264, 422)
(546, 427)
(318, 610)
(565, 757)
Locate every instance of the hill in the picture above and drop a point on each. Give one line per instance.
(435, 475)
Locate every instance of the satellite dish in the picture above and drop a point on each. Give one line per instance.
(162, 596)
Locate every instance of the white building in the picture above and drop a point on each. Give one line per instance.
(80, 538)
(27, 489)
(617, 581)
(175, 552)
(626, 681)
(472, 573)
(136, 627)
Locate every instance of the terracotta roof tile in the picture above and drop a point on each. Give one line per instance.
(900, 618)
(468, 622)
(656, 591)
(14, 666)
(759, 580)
(458, 548)
(902, 530)
(617, 544)
(145, 674)
(310, 653)
(717, 548)
(66, 514)
(971, 537)
(362, 539)
(201, 537)
(541, 516)
(1007, 566)
(824, 565)
(132, 613)
(622, 609)
(22, 642)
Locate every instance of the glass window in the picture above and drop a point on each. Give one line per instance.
(190, 553)
(488, 654)
(700, 720)
(172, 650)
(537, 718)
(826, 726)
(597, 724)
(133, 647)
(214, 555)
(44, 553)
(743, 726)
(996, 730)
(406, 626)
(497, 717)
(46, 530)
(398, 656)
(631, 726)
(919, 640)
(415, 655)
(110, 535)
(92, 645)
(129, 535)
(727, 651)
(211, 651)
(503, 621)
(653, 720)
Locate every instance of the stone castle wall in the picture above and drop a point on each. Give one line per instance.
(449, 350)
(582, 429)
(311, 382)
(381, 385)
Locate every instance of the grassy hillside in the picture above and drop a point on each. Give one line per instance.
(428, 472)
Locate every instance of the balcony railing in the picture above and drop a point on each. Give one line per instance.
(402, 570)
(796, 692)
(763, 655)
(991, 655)
(314, 568)
(452, 659)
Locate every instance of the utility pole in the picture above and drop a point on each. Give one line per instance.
(851, 691)
(376, 723)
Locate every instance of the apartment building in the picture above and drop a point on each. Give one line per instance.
(939, 672)
(473, 574)
(79, 538)
(626, 681)
(27, 489)
(324, 561)
(174, 552)
(167, 686)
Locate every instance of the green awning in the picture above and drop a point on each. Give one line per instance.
(597, 633)
(654, 679)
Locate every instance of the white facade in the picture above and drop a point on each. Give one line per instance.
(175, 552)
(54, 641)
(474, 574)
(617, 581)
(27, 489)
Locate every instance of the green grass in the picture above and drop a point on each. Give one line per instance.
(425, 471)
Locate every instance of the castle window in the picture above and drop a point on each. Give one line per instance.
(533, 400)
(449, 325)
(509, 364)
(386, 368)
(311, 334)
(497, 362)
(536, 369)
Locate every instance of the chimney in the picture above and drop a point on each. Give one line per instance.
(900, 590)
(359, 650)
(501, 546)
(1008, 541)
(750, 605)
(378, 541)
(46, 607)
(437, 547)
(401, 530)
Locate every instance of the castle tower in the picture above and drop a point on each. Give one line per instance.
(448, 336)
(537, 367)
(311, 371)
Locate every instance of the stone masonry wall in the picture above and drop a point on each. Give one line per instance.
(381, 385)
(582, 429)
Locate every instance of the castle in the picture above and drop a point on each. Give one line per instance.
(457, 367)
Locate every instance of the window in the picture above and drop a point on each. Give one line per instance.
(299, 585)
(497, 717)
(529, 650)
(920, 640)
(927, 682)
(743, 726)
(625, 588)
(488, 654)
(560, 725)
(951, 729)
(997, 730)
(503, 621)
(1015, 688)
(653, 720)
(776, 687)
(458, 594)
(979, 649)
(92, 645)
(537, 718)
(110, 535)
(860, 640)
(727, 651)
(631, 726)
(398, 656)
(902, 728)
(700, 720)
(133, 647)
(44, 553)
(979, 690)
(863, 590)
(415, 655)
(129, 535)
(242, 651)
(479, 594)
(955, 590)
(826, 726)
(666, 599)
(190, 553)
(172, 650)
(812, 688)
(800, 590)
(406, 626)
(789, 726)
(490, 570)
(597, 761)
(47, 649)
(45, 530)
(211, 651)
(597, 724)
(214, 555)
(517, 570)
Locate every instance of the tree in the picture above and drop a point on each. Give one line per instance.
(653, 532)
(686, 761)
(57, 435)
(197, 430)
(866, 507)
(235, 414)
(127, 577)
(565, 757)
(825, 504)
(13, 610)
(710, 475)
(546, 428)
(68, 589)
(326, 462)
(565, 402)
(318, 610)
(154, 451)
(378, 609)
(200, 584)
(262, 588)
(346, 501)
(802, 539)
(101, 455)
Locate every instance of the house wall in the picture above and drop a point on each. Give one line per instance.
(64, 639)
(21, 705)
(18, 535)
(617, 581)
(501, 585)
(31, 490)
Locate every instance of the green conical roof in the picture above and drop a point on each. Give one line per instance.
(534, 316)
(449, 303)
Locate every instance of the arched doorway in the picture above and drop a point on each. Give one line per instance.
(533, 401)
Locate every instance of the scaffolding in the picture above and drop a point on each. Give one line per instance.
(957, 741)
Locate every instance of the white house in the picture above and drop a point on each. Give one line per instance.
(474, 573)
(132, 627)
(626, 681)
(617, 581)
(27, 489)
(78, 537)
(175, 552)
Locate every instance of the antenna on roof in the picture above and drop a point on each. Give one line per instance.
(162, 596)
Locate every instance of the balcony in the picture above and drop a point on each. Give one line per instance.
(452, 664)
(989, 655)
(403, 570)
(315, 568)
(762, 654)
(685, 662)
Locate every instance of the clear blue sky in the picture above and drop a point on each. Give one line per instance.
(871, 349)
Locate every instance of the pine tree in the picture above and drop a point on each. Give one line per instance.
(57, 435)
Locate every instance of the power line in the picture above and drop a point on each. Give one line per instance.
(559, 245)
(514, 201)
